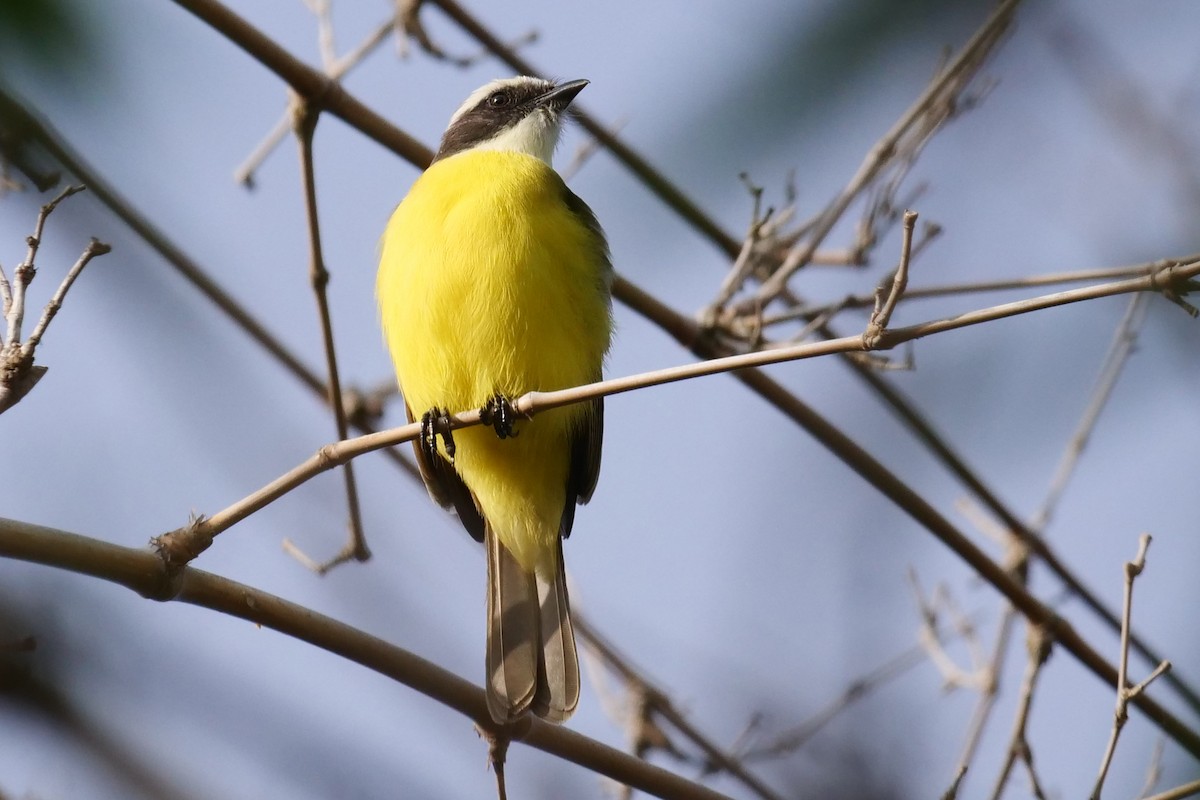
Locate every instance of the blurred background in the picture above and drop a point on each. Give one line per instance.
(743, 567)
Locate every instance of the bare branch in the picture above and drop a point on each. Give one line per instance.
(18, 372)
(585, 151)
(796, 737)
(1154, 769)
(859, 301)
(654, 701)
(305, 123)
(1126, 693)
(408, 25)
(952, 792)
(1038, 644)
(23, 275)
(143, 572)
(335, 68)
(1122, 347)
(1179, 792)
(94, 248)
(953, 676)
(885, 305)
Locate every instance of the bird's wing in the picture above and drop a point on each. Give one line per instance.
(589, 435)
(446, 488)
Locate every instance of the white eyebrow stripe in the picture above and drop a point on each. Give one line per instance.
(483, 91)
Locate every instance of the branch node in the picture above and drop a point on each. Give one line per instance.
(1166, 283)
(176, 549)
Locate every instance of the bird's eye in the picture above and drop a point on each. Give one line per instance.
(499, 99)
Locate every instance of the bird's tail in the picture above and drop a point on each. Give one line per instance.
(531, 658)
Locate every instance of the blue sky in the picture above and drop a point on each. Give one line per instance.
(727, 553)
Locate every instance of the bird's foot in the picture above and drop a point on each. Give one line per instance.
(434, 423)
(500, 415)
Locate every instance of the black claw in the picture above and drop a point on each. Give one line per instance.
(499, 413)
(434, 423)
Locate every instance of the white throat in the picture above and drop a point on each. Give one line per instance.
(535, 135)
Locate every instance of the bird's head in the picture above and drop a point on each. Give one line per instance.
(522, 115)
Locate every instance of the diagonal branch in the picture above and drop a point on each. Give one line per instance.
(143, 572)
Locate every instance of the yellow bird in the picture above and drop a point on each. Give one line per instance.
(494, 280)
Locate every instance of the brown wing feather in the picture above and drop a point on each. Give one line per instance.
(446, 488)
(585, 463)
(589, 435)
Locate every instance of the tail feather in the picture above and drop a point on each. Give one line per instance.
(558, 679)
(531, 659)
(512, 640)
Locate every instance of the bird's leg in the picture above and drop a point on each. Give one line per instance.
(434, 423)
(499, 414)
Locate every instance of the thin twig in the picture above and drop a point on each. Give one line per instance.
(930, 640)
(335, 69)
(656, 701)
(952, 792)
(989, 692)
(1179, 792)
(498, 742)
(1039, 645)
(18, 372)
(1122, 347)
(1126, 693)
(94, 248)
(1153, 769)
(746, 259)
(859, 301)
(886, 304)
(23, 275)
(305, 122)
(796, 737)
(409, 26)
(585, 151)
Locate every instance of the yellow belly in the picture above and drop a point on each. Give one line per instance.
(489, 284)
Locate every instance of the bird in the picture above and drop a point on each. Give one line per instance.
(495, 280)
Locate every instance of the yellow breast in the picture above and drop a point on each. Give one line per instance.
(488, 283)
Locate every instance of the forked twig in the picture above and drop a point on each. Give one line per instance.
(1125, 692)
(1039, 644)
(885, 304)
(18, 372)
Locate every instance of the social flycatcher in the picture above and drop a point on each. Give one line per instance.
(495, 281)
